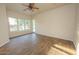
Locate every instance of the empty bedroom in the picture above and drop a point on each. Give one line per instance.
(39, 29)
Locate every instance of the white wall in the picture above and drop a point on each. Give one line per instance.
(4, 38)
(18, 16)
(59, 22)
(76, 41)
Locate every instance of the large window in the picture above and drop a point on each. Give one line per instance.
(13, 24)
(19, 24)
(27, 24)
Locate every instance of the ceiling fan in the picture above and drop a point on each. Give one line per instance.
(31, 7)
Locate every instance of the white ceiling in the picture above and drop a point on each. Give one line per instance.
(18, 7)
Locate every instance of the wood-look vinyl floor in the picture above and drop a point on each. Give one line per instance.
(35, 44)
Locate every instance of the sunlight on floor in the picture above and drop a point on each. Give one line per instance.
(55, 52)
(78, 49)
(65, 49)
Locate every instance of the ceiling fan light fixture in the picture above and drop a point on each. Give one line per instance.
(31, 7)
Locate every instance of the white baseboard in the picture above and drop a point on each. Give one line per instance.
(4, 43)
(54, 36)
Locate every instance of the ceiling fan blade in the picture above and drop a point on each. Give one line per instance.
(30, 7)
(31, 4)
